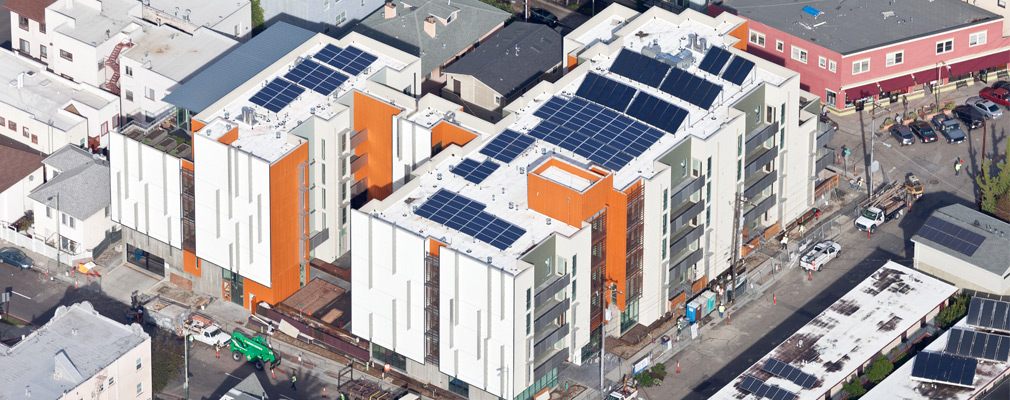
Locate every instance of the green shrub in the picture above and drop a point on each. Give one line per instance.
(166, 359)
(645, 379)
(854, 389)
(953, 312)
(879, 370)
(911, 116)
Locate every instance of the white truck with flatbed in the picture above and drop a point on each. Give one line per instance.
(202, 329)
(890, 203)
(824, 251)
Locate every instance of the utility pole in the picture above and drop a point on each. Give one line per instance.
(736, 246)
(185, 352)
(603, 337)
(59, 238)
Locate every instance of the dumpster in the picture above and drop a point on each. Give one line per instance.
(692, 310)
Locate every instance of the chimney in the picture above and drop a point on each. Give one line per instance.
(389, 11)
(429, 26)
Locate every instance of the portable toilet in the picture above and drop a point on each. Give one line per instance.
(710, 305)
(692, 310)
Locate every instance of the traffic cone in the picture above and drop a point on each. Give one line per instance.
(678, 367)
(217, 352)
(728, 318)
(774, 302)
(272, 373)
(810, 275)
(324, 391)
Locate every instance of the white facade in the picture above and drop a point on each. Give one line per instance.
(14, 201)
(86, 233)
(145, 189)
(28, 38)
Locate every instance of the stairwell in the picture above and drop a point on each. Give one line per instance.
(112, 85)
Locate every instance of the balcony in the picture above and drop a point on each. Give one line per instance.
(760, 161)
(684, 241)
(758, 185)
(162, 134)
(825, 160)
(546, 291)
(754, 213)
(686, 215)
(544, 341)
(760, 135)
(545, 364)
(358, 163)
(357, 138)
(683, 191)
(825, 133)
(554, 310)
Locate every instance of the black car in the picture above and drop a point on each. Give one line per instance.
(949, 128)
(1005, 85)
(902, 134)
(539, 15)
(924, 131)
(970, 116)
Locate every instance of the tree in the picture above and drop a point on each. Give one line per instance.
(854, 388)
(953, 312)
(257, 15)
(993, 184)
(879, 370)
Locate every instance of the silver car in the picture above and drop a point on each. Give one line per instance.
(987, 107)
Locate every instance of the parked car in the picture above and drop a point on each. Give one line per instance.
(996, 95)
(819, 255)
(1005, 85)
(16, 258)
(989, 109)
(923, 131)
(949, 128)
(539, 15)
(971, 116)
(902, 134)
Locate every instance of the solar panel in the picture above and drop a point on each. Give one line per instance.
(989, 314)
(316, 77)
(639, 68)
(737, 70)
(350, 60)
(507, 145)
(277, 94)
(784, 370)
(468, 216)
(951, 236)
(944, 368)
(760, 389)
(690, 88)
(474, 171)
(714, 60)
(976, 344)
(662, 114)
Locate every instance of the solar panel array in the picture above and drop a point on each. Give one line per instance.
(784, 370)
(760, 389)
(951, 236)
(606, 91)
(507, 146)
(277, 94)
(314, 76)
(585, 146)
(989, 314)
(468, 216)
(714, 60)
(639, 68)
(979, 345)
(737, 70)
(350, 60)
(474, 171)
(690, 88)
(944, 368)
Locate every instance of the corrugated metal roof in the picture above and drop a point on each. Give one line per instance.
(237, 67)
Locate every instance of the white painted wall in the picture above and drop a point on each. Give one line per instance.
(86, 233)
(958, 272)
(124, 375)
(237, 24)
(137, 85)
(14, 201)
(145, 189)
(575, 253)
(654, 268)
(33, 35)
(232, 209)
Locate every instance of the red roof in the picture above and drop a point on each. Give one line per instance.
(19, 161)
(35, 10)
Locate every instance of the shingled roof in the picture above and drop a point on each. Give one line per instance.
(513, 57)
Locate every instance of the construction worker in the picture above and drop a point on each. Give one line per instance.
(722, 309)
(957, 166)
(785, 241)
(293, 379)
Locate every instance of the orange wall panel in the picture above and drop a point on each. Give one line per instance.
(572, 63)
(376, 116)
(741, 33)
(187, 165)
(229, 137)
(190, 264)
(447, 134)
(196, 125)
(434, 246)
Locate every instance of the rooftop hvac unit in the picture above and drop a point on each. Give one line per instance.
(248, 116)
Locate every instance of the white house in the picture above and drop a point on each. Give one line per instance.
(74, 202)
(966, 248)
(21, 173)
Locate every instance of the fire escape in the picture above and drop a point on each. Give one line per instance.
(112, 85)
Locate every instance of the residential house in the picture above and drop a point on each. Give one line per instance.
(325, 16)
(22, 172)
(965, 247)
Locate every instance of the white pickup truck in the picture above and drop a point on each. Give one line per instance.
(204, 330)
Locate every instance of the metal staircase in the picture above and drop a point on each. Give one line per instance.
(112, 85)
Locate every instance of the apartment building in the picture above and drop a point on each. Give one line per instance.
(604, 196)
(78, 354)
(46, 112)
(318, 16)
(872, 50)
(286, 132)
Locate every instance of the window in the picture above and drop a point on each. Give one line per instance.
(527, 324)
(1001, 3)
(573, 289)
(140, 363)
(3, 121)
(140, 388)
(149, 93)
(895, 58)
(822, 62)
(67, 55)
(343, 216)
(129, 95)
(115, 121)
(23, 22)
(105, 128)
(323, 195)
(529, 298)
(976, 39)
(43, 51)
(860, 66)
(832, 66)
(112, 380)
(72, 226)
(35, 139)
(326, 5)
(322, 149)
(497, 100)
(780, 46)
(830, 97)
(799, 55)
(49, 212)
(341, 18)
(12, 125)
(322, 173)
(42, 28)
(945, 46)
(574, 265)
(25, 46)
(24, 131)
(129, 70)
(757, 38)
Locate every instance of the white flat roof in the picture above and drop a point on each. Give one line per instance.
(178, 55)
(260, 138)
(202, 12)
(44, 95)
(566, 178)
(853, 330)
(899, 385)
(507, 185)
(90, 23)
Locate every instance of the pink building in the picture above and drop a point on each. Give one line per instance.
(875, 48)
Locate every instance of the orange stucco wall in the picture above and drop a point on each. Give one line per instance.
(740, 33)
(447, 134)
(196, 125)
(187, 165)
(572, 63)
(434, 246)
(189, 263)
(229, 137)
(285, 238)
(376, 116)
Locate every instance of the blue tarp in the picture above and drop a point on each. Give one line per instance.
(812, 11)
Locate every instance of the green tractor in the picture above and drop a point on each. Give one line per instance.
(253, 349)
